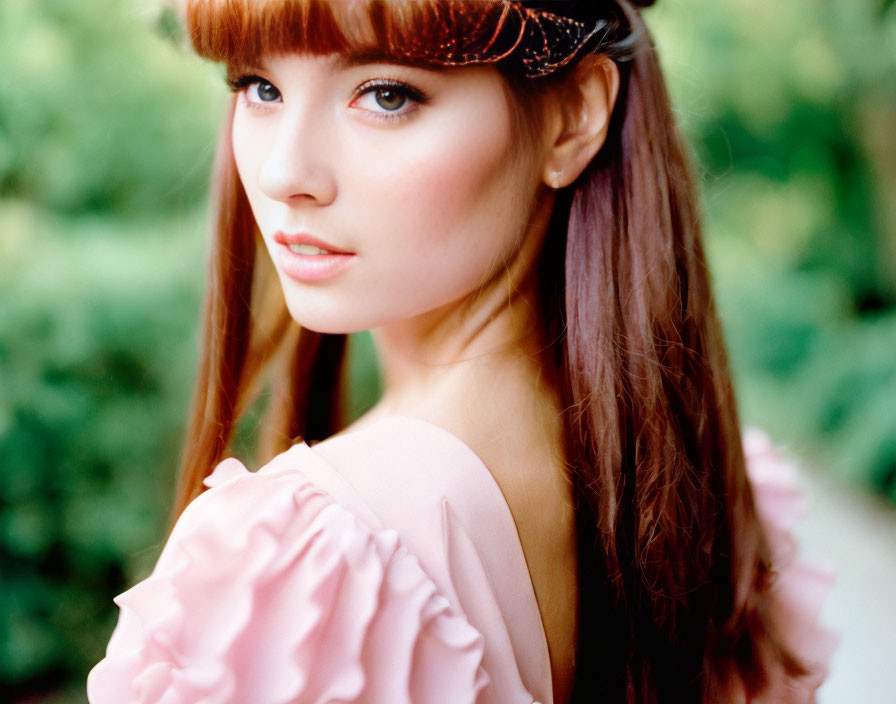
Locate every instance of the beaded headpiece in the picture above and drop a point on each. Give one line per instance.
(536, 38)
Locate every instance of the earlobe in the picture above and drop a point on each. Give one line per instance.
(585, 121)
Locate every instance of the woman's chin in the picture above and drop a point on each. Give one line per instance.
(328, 324)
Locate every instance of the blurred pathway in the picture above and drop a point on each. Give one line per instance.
(857, 532)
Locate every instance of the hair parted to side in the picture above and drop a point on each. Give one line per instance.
(673, 566)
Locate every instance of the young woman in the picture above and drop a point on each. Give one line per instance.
(550, 499)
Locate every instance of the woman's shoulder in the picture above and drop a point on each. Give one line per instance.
(800, 586)
(398, 472)
(322, 576)
(270, 590)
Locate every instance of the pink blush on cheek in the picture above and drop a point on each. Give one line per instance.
(454, 184)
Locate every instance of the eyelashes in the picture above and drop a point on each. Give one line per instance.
(237, 83)
(383, 98)
(258, 90)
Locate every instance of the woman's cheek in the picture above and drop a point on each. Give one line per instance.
(445, 182)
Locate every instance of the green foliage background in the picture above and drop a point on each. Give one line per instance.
(106, 137)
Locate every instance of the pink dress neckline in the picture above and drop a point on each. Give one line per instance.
(504, 512)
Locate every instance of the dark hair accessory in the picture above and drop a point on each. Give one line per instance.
(532, 38)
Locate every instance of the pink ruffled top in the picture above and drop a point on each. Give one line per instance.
(390, 572)
(800, 587)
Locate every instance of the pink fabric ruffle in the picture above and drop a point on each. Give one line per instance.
(268, 591)
(800, 587)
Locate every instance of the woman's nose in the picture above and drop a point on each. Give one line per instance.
(299, 165)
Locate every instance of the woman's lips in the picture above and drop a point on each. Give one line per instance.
(303, 238)
(304, 257)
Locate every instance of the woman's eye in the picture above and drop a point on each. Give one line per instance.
(388, 98)
(262, 91)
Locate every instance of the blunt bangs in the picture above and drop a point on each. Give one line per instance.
(430, 33)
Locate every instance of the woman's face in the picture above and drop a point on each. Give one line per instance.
(383, 192)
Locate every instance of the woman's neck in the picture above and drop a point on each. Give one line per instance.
(481, 348)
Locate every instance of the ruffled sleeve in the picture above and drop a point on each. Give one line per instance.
(800, 587)
(269, 591)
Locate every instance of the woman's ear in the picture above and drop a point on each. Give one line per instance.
(582, 120)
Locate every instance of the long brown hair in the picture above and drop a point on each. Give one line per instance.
(673, 567)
